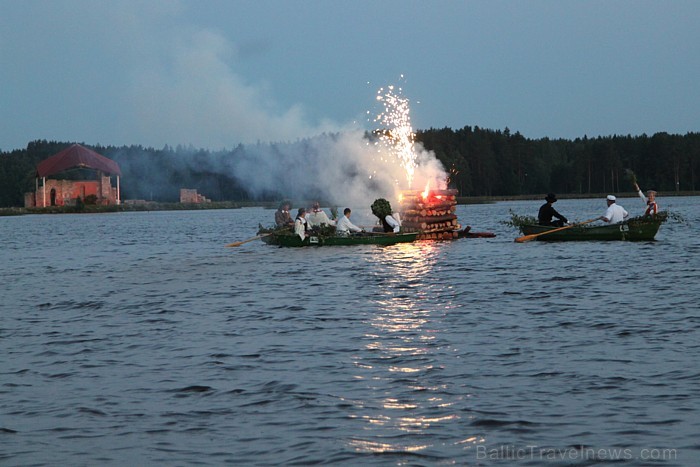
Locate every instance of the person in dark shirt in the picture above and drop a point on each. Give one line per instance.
(547, 211)
(282, 216)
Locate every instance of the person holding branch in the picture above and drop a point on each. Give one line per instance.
(382, 209)
(652, 207)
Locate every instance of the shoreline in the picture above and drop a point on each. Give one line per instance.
(156, 206)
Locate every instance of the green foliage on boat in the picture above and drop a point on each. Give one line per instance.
(517, 221)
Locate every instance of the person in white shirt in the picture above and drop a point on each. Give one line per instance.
(318, 217)
(300, 225)
(344, 226)
(391, 223)
(615, 213)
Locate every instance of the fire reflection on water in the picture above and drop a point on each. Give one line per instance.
(399, 357)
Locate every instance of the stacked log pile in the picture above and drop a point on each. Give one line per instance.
(432, 215)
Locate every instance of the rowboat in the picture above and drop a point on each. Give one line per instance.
(635, 229)
(290, 239)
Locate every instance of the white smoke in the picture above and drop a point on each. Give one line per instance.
(156, 78)
(343, 169)
(196, 98)
(183, 88)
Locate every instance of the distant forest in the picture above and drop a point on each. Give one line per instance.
(480, 162)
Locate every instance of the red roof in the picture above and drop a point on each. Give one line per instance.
(76, 156)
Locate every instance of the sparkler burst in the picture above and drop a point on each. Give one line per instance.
(396, 135)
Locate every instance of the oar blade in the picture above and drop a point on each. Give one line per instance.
(235, 244)
(525, 238)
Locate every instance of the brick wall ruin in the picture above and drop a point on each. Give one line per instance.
(190, 195)
(66, 192)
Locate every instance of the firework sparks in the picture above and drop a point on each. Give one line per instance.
(396, 136)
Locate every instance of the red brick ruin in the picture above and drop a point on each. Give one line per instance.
(54, 192)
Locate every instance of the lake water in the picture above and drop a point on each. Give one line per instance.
(139, 339)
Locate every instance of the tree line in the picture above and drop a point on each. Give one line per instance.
(485, 162)
(147, 173)
(480, 162)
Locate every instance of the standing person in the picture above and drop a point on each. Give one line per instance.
(317, 216)
(652, 207)
(344, 226)
(615, 213)
(547, 211)
(282, 216)
(300, 224)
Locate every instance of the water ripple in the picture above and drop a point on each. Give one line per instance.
(170, 349)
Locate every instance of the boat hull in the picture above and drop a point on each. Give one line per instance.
(640, 230)
(365, 239)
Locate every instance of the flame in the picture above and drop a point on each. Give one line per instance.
(427, 190)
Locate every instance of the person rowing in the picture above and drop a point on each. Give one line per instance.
(615, 213)
(344, 226)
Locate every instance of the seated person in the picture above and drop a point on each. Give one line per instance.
(391, 224)
(547, 211)
(344, 226)
(318, 217)
(652, 207)
(300, 224)
(615, 213)
(282, 216)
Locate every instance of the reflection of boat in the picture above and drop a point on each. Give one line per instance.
(287, 238)
(636, 229)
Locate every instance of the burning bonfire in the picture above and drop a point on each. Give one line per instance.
(431, 212)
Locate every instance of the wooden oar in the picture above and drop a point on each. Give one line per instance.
(527, 238)
(246, 241)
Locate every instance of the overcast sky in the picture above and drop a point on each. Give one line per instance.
(216, 73)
